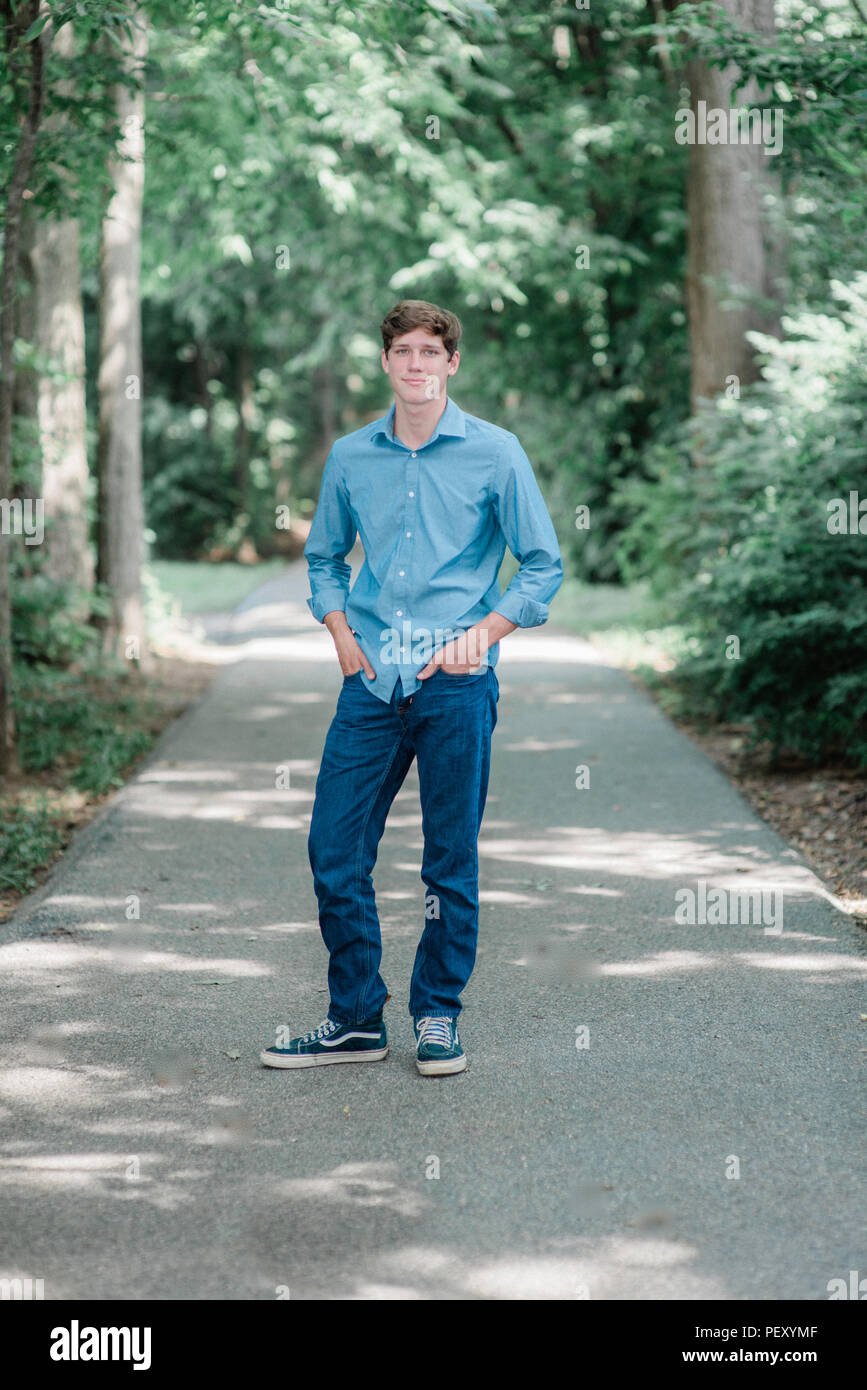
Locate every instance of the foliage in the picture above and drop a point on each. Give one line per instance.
(50, 622)
(308, 164)
(30, 837)
(746, 547)
(447, 152)
(355, 157)
(87, 725)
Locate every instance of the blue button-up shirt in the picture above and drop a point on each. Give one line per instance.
(434, 523)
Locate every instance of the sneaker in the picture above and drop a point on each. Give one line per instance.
(331, 1042)
(438, 1047)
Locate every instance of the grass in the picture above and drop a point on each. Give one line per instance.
(210, 588)
(621, 621)
(88, 726)
(198, 587)
(31, 836)
(588, 608)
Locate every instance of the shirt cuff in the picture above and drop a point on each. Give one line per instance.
(325, 601)
(523, 611)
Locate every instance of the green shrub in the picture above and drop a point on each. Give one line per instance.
(64, 720)
(50, 620)
(740, 547)
(30, 836)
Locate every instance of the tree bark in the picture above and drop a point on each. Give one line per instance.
(245, 412)
(119, 455)
(16, 25)
(734, 259)
(56, 328)
(325, 391)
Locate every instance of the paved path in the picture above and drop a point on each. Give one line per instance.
(144, 1153)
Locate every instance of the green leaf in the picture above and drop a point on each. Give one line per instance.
(36, 27)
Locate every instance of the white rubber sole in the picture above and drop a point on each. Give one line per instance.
(268, 1059)
(443, 1068)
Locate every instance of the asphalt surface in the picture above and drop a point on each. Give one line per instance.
(653, 1108)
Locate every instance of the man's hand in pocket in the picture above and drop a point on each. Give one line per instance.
(460, 656)
(349, 653)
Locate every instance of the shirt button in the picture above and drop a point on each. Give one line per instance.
(412, 494)
(415, 456)
(402, 573)
(409, 533)
(400, 612)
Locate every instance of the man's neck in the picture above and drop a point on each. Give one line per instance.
(414, 424)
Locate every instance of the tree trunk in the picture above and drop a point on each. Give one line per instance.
(119, 458)
(25, 410)
(244, 391)
(61, 404)
(30, 60)
(734, 259)
(56, 328)
(325, 390)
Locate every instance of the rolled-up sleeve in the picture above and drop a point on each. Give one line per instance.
(332, 536)
(530, 535)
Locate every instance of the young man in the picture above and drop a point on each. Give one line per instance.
(435, 496)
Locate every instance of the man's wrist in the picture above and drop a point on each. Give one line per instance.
(473, 644)
(335, 621)
(492, 627)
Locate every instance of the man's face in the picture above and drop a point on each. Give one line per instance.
(417, 366)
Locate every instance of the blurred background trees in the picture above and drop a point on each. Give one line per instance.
(675, 332)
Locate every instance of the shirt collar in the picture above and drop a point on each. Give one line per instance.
(452, 421)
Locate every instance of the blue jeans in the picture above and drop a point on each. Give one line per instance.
(369, 749)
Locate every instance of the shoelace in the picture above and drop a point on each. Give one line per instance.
(323, 1031)
(435, 1030)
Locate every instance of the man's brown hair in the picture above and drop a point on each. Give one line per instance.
(417, 313)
